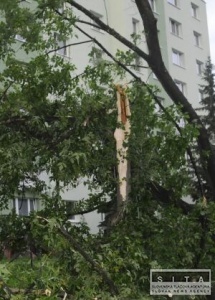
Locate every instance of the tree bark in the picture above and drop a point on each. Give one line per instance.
(155, 62)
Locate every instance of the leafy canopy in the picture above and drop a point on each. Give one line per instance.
(57, 121)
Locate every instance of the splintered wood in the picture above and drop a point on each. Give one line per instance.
(121, 136)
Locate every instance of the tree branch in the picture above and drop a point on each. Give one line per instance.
(6, 90)
(15, 120)
(105, 276)
(155, 61)
(88, 23)
(189, 152)
(109, 54)
(73, 44)
(164, 197)
(109, 30)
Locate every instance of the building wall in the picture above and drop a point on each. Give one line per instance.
(120, 14)
(185, 43)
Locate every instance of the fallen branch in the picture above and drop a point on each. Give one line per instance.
(103, 273)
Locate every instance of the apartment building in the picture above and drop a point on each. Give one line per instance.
(183, 35)
(184, 41)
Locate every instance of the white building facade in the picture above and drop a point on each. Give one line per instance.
(183, 35)
(184, 41)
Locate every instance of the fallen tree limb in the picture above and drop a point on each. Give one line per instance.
(103, 273)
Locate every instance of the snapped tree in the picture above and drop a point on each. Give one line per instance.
(56, 121)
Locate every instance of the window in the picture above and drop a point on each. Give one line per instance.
(181, 86)
(137, 62)
(201, 95)
(173, 2)
(175, 27)
(102, 217)
(97, 56)
(152, 4)
(177, 58)
(18, 37)
(135, 26)
(197, 38)
(199, 67)
(61, 45)
(23, 206)
(95, 26)
(70, 206)
(194, 11)
(61, 48)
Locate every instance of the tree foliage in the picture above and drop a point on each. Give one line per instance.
(56, 121)
(208, 98)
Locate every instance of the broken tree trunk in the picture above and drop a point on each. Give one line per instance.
(121, 136)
